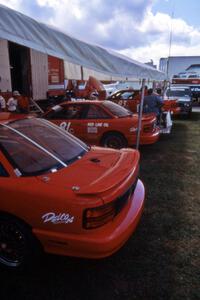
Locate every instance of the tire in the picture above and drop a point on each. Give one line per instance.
(189, 114)
(18, 247)
(114, 140)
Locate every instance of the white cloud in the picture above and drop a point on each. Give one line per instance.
(156, 31)
(15, 4)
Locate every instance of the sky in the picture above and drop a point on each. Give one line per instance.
(139, 29)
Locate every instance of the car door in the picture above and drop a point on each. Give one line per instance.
(96, 122)
(69, 118)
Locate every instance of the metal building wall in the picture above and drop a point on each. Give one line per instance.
(177, 64)
(72, 71)
(5, 78)
(39, 74)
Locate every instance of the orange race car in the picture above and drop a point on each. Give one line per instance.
(59, 195)
(103, 123)
(130, 99)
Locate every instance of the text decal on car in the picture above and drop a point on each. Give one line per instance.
(58, 219)
(66, 126)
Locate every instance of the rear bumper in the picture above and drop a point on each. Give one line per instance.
(99, 242)
(150, 138)
(185, 110)
(175, 111)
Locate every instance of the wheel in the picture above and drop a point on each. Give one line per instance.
(18, 247)
(189, 114)
(114, 140)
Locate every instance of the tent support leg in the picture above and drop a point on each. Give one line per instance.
(140, 115)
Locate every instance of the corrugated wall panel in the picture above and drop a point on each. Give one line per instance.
(39, 74)
(5, 78)
(72, 71)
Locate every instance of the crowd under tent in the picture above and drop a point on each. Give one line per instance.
(81, 59)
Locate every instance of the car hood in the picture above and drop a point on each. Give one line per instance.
(170, 98)
(97, 171)
(184, 99)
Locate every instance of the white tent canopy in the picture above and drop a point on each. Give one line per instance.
(23, 30)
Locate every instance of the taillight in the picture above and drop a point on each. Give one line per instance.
(174, 105)
(98, 216)
(148, 128)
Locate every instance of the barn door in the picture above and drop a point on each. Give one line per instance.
(5, 78)
(39, 74)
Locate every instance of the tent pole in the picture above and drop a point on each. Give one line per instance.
(154, 85)
(82, 74)
(140, 115)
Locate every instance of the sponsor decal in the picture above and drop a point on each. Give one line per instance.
(102, 124)
(61, 218)
(92, 129)
(195, 89)
(90, 124)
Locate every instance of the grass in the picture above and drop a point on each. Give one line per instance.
(161, 260)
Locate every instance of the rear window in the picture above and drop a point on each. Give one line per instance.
(35, 146)
(65, 112)
(3, 172)
(127, 95)
(178, 93)
(116, 109)
(96, 112)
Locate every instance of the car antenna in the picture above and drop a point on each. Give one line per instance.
(170, 38)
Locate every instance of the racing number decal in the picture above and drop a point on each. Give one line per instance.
(63, 125)
(66, 126)
(123, 103)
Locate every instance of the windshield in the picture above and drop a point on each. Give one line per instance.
(116, 109)
(126, 95)
(35, 146)
(178, 93)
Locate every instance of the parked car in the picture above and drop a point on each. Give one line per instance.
(61, 196)
(103, 123)
(116, 86)
(130, 99)
(183, 96)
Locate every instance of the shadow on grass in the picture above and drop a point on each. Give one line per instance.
(194, 116)
(149, 266)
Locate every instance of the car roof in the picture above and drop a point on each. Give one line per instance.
(179, 87)
(82, 102)
(124, 90)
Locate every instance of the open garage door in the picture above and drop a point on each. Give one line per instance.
(20, 68)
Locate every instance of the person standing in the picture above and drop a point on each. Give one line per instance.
(152, 103)
(2, 104)
(12, 103)
(23, 104)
